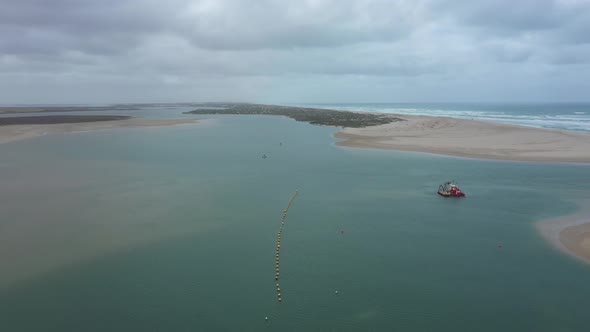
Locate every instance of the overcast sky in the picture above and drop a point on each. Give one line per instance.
(103, 51)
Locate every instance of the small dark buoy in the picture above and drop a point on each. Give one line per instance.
(341, 231)
(499, 245)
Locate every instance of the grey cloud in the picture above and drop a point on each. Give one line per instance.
(226, 25)
(570, 55)
(506, 15)
(551, 21)
(504, 51)
(282, 24)
(252, 48)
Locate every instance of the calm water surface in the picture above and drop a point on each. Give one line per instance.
(174, 229)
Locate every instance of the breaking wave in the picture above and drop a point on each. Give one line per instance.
(546, 116)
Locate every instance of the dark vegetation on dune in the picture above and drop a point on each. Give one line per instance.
(56, 119)
(315, 116)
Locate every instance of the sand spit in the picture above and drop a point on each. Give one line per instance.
(470, 138)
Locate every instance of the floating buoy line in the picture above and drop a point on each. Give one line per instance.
(278, 250)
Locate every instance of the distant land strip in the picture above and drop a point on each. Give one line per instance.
(57, 119)
(65, 109)
(316, 116)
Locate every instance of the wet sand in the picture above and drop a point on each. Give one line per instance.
(10, 133)
(469, 138)
(577, 240)
(570, 234)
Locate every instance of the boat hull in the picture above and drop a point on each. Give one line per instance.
(447, 194)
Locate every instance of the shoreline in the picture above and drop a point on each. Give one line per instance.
(12, 133)
(569, 234)
(471, 139)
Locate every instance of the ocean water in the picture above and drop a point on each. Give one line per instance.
(174, 229)
(568, 116)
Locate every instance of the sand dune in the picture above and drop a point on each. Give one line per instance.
(468, 138)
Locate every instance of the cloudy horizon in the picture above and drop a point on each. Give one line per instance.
(117, 51)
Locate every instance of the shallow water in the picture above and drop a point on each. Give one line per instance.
(174, 229)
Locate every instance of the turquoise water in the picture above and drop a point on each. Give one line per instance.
(174, 229)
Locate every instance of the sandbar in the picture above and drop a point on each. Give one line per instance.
(569, 234)
(577, 239)
(10, 133)
(471, 138)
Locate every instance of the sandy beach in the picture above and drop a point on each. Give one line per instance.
(18, 132)
(469, 138)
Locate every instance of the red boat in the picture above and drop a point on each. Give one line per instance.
(450, 189)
